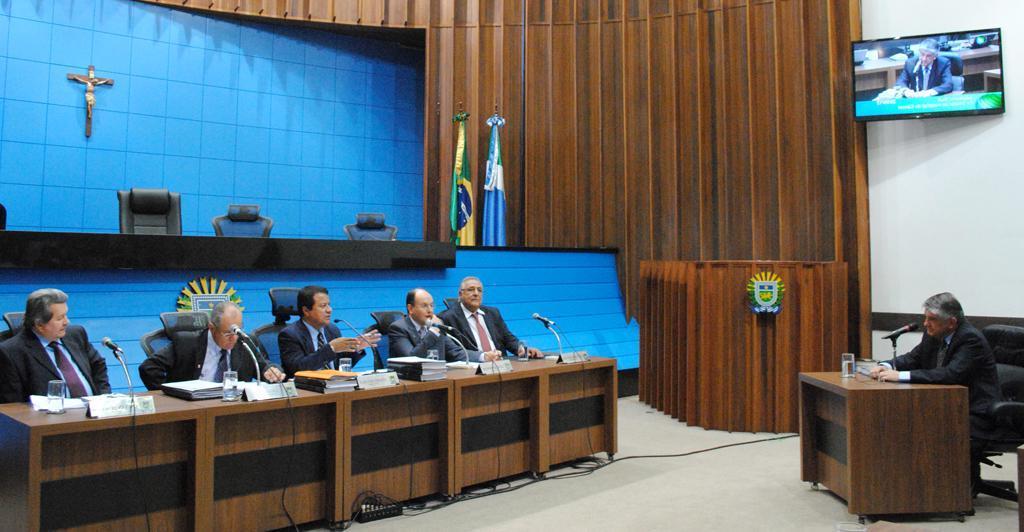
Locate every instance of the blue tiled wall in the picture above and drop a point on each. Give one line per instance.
(579, 290)
(311, 125)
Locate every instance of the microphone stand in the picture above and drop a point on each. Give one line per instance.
(451, 329)
(360, 335)
(558, 338)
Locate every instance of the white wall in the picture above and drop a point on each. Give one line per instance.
(947, 194)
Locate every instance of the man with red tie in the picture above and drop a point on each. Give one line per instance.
(49, 348)
(482, 327)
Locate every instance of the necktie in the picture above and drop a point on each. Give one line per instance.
(75, 386)
(222, 366)
(320, 340)
(485, 344)
(940, 357)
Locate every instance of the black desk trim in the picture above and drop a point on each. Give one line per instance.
(103, 251)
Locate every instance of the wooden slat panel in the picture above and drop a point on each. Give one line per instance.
(688, 126)
(637, 134)
(537, 230)
(794, 208)
(613, 163)
(512, 134)
(589, 205)
(764, 138)
(665, 209)
(563, 135)
(820, 107)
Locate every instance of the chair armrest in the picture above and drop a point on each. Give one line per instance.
(1009, 414)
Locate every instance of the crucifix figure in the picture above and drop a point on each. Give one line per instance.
(90, 81)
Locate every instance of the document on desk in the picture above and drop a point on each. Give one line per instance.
(462, 364)
(40, 402)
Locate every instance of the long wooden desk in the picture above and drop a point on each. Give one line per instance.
(210, 465)
(886, 448)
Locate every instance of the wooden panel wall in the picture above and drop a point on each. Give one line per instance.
(711, 362)
(669, 129)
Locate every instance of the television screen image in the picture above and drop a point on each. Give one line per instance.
(925, 76)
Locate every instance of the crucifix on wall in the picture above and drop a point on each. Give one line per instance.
(91, 82)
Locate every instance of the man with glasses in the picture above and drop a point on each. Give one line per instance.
(482, 328)
(207, 354)
(928, 74)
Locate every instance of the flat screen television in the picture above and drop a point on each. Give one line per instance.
(926, 76)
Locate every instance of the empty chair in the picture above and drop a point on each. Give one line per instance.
(243, 220)
(382, 322)
(283, 305)
(451, 302)
(150, 211)
(371, 226)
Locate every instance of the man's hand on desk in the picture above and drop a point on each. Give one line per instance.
(272, 374)
(491, 356)
(887, 374)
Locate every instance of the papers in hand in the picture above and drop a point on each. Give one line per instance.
(42, 404)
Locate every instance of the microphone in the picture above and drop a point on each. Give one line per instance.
(376, 359)
(542, 319)
(112, 346)
(443, 327)
(236, 330)
(905, 329)
(917, 79)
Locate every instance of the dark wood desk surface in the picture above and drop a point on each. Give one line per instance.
(213, 458)
(886, 448)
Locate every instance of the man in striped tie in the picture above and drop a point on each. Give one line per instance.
(49, 348)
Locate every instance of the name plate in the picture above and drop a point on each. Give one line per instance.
(573, 357)
(116, 406)
(261, 391)
(369, 381)
(497, 366)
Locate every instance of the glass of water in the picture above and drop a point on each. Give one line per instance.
(231, 389)
(433, 354)
(55, 391)
(849, 365)
(344, 364)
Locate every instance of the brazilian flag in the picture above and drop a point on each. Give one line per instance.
(461, 209)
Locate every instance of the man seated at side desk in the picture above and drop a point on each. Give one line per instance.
(49, 348)
(207, 354)
(481, 328)
(953, 352)
(313, 342)
(417, 333)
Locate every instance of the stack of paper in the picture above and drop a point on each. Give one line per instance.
(418, 368)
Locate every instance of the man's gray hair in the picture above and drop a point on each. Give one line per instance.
(945, 306)
(218, 312)
(467, 279)
(37, 306)
(930, 45)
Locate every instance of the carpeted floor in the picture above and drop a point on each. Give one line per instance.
(747, 487)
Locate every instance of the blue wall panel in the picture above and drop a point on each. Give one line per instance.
(297, 120)
(579, 290)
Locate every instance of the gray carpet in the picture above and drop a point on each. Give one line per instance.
(750, 487)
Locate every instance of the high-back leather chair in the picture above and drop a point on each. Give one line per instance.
(283, 305)
(14, 322)
(451, 302)
(1007, 343)
(956, 69)
(244, 221)
(371, 226)
(3, 217)
(150, 211)
(382, 322)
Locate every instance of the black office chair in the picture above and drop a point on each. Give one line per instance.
(244, 221)
(371, 226)
(1007, 344)
(154, 341)
(149, 211)
(14, 321)
(956, 68)
(283, 305)
(3, 217)
(382, 322)
(451, 302)
(178, 322)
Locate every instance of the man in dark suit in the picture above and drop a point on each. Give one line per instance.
(953, 352)
(48, 348)
(928, 74)
(416, 333)
(207, 354)
(482, 328)
(313, 342)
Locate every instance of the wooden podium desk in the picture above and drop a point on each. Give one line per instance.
(886, 448)
(210, 465)
(541, 414)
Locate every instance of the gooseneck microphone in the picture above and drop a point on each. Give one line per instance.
(112, 346)
(376, 360)
(119, 355)
(905, 329)
(237, 331)
(547, 322)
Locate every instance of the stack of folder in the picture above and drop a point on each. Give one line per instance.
(194, 390)
(418, 368)
(326, 380)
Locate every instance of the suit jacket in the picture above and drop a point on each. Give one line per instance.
(503, 338)
(969, 362)
(25, 368)
(298, 351)
(183, 358)
(404, 341)
(940, 78)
